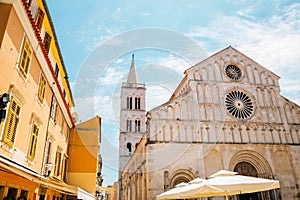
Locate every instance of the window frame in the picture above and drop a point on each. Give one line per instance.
(39, 19)
(33, 141)
(48, 152)
(137, 101)
(58, 159)
(129, 103)
(128, 125)
(54, 109)
(42, 87)
(7, 137)
(47, 41)
(25, 57)
(128, 148)
(137, 125)
(64, 167)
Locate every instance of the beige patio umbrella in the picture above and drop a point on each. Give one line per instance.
(225, 183)
(179, 189)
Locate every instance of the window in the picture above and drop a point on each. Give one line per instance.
(48, 153)
(39, 19)
(12, 122)
(25, 58)
(128, 149)
(128, 125)
(137, 125)
(24, 194)
(56, 70)
(47, 41)
(53, 109)
(233, 72)
(239, 104)
(137, 103)
(42, 86)
(64, 93)
(129, 102)
(57, 163)
(64, 168)
(47, 166)
(33, 141)
(12, 193)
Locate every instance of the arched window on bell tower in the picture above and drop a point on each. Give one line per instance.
(137, 125)
(128, 125)
(129, 103)
(128, 149)
(137, 103)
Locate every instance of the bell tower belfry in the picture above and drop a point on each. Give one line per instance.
(132, 116)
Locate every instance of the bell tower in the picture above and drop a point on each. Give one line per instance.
(132, 117)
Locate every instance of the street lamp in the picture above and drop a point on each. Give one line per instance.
(4, 99)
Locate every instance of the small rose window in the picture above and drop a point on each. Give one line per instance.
(233, 72)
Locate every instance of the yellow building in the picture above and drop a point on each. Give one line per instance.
(84, 155)
(35, 131)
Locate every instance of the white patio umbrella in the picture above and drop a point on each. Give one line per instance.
(180, 188)
(225, 183)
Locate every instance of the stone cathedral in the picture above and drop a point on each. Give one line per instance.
(226, 113)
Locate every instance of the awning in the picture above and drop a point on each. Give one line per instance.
(35, 177)
(60, 187)
(82, 194)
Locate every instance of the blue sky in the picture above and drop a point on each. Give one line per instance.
(266, 31)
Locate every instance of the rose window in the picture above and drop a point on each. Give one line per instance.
(239, 104)
(233, 72)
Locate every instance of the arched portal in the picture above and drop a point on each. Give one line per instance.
(181, 176)
(251, 163)
(246, 169)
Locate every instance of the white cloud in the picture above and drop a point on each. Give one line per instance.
(116, 14)
(274, 42)
(157, 94)
(176, 63)
(119, 60)
(92, 35)
(146, 13)
(112, 76)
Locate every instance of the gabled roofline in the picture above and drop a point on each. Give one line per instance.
(230, 47)
(186, 73)
(177, 88)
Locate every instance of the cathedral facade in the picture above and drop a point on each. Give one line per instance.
(227, 113)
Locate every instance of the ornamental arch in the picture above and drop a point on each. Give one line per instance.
(260, 164)
(179, 176)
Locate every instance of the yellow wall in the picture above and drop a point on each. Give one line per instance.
(25, 92)
(55, 53)
(13, 27)
(84, 151)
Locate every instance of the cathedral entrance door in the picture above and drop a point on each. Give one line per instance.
(246, 169)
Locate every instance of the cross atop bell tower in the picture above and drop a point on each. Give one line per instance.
(132, 116)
